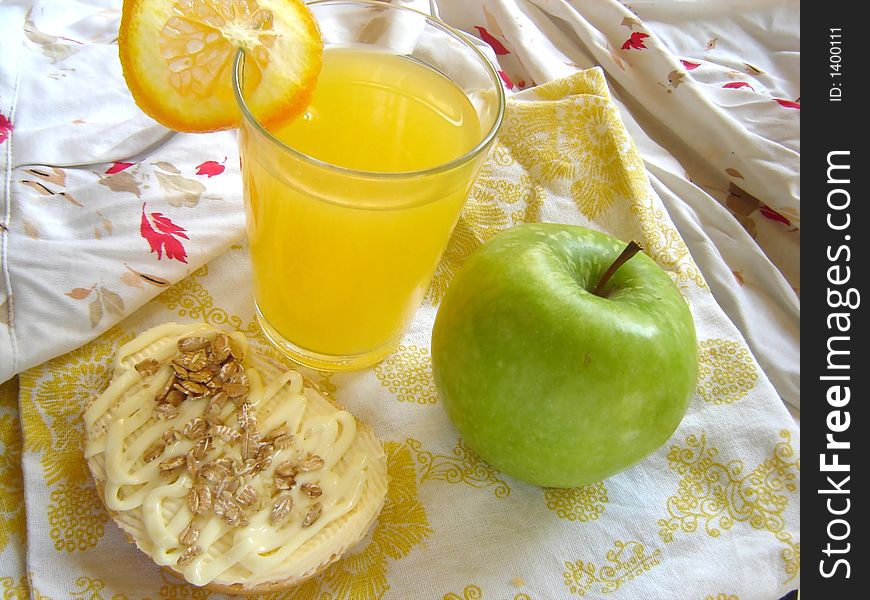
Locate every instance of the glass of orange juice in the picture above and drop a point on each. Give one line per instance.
(350, 206)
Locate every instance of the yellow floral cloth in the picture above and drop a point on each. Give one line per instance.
(713, 514)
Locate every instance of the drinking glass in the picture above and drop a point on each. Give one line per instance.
(346, 223)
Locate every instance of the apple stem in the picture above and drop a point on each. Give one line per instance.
(630, 250)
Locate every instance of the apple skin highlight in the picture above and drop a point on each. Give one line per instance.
(550, 383)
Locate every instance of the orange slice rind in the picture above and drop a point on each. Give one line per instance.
(177, 58)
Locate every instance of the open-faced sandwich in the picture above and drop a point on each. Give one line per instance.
(227, 468)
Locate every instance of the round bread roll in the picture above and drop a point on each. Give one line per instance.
(228, 469)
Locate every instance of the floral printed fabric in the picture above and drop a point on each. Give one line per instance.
(102, 207)
(718, 487)
(694, 155)
(711, 95)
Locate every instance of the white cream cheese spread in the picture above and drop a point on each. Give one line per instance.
(226, 469)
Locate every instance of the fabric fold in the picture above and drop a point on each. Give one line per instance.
(563, 155)
(676, 124)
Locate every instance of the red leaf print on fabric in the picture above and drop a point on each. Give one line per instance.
(771, 214)
(635, 41)
(5, 128)
(118, 167)
(690, 65)
(496, 45)
(507, 80)
(736, 85)
(788, 103)
(210, 168)
(161, 234)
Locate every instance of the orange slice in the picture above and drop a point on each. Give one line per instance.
(178, 55)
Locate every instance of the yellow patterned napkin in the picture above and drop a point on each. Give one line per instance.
(712, 514)
(13, 582)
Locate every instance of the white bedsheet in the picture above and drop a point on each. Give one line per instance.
(709, 90)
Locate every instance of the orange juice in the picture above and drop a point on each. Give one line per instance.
(374, 111)
(347, 223)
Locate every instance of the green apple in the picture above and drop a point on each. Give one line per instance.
(549, 382)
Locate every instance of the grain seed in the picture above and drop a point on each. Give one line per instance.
(250, 443)
(192, 343)
(235, 390)
(233, 515)
(147, 367)
(220, 348)
(202, 447)
(213, 472)
(180, 370)
(286, 469)
(153, 452)
(166, 411)
(191, 463)
(199, 499)
(202, 376)
(227, 434)
(313, 514)
(194, 389)
(312, 462)
(189, 536)
(230, 484)
(195, 429)
(311, 489)
(282, 442)
(187, 556)
(196, 361)
(282, 507)
(264, 455)
(284, 483)
(170, 465)
(175, 397)
(161, 394)
(228, 369)
(247, 417)
(246, 496)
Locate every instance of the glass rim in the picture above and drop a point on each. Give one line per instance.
(247, 115)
